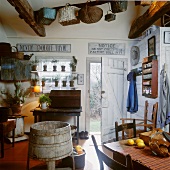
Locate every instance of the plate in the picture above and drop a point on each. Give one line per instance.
(134, 55)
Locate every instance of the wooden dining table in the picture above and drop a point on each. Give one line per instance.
(143, 159)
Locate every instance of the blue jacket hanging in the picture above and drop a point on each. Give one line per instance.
(132, 99)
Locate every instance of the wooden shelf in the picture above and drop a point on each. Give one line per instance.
(150, 76)
(54, 72)
(11, 81)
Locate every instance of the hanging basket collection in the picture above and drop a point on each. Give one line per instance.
(69, 15)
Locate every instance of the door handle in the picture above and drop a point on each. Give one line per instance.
(102, 92)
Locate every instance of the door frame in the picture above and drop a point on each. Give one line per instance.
(87, 110)
(87, 102)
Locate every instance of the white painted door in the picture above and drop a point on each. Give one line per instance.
(114, 94)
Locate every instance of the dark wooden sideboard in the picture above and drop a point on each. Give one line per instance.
(38, 114)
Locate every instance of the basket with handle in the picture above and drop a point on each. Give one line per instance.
(16, 54)
(68, 15)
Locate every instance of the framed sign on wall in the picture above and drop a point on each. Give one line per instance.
(167, 37)
(151, 46)
(80, 79)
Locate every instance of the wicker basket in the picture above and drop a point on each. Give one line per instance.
(68, 15)
(90, 14)
(16, 54)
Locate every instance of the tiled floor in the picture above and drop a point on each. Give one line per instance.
(16, 158)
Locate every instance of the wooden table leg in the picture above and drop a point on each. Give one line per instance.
(51, 165)
(77, 129)
(13, 137)
(2, 145)
(35, 118)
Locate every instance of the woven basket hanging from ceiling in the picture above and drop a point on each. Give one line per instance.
(68, 15)
(119, 6)
(90, 14)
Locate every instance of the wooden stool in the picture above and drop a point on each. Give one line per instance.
(5, 128)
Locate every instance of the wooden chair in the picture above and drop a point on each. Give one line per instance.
(111, 163)
(148, 124)
(124, 127)
(5, 128)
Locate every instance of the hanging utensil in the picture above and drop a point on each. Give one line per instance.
(110, 16)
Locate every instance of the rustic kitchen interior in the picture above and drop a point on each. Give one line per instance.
(87, 60)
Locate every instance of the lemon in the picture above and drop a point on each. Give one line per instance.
(78, 147)
(79, 151)
(139, 140)
(140, 145)
(130, 142)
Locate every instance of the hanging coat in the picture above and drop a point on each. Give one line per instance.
(132, 99)
(164, 100)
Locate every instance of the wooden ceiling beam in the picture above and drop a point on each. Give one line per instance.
(26, 12)
(89, 3)
(155, 11)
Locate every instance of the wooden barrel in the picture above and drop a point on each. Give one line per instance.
(50, 140)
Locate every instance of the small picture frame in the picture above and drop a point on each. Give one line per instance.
(151, 46)
(167, 37)
(80, 79)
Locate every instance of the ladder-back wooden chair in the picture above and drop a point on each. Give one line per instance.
(124, 127)
(147, 124)
(111, 163)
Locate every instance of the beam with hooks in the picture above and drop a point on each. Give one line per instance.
(155, 11)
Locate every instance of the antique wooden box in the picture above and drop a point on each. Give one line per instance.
(65, 98)
(46, 16)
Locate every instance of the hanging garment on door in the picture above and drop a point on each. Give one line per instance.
(164, 99)
(132, 99)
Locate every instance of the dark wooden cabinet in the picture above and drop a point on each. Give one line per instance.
(150, 77)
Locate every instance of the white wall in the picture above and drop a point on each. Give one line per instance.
(79, 48)
(143, 46)
(163, 53)
(3, 37)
